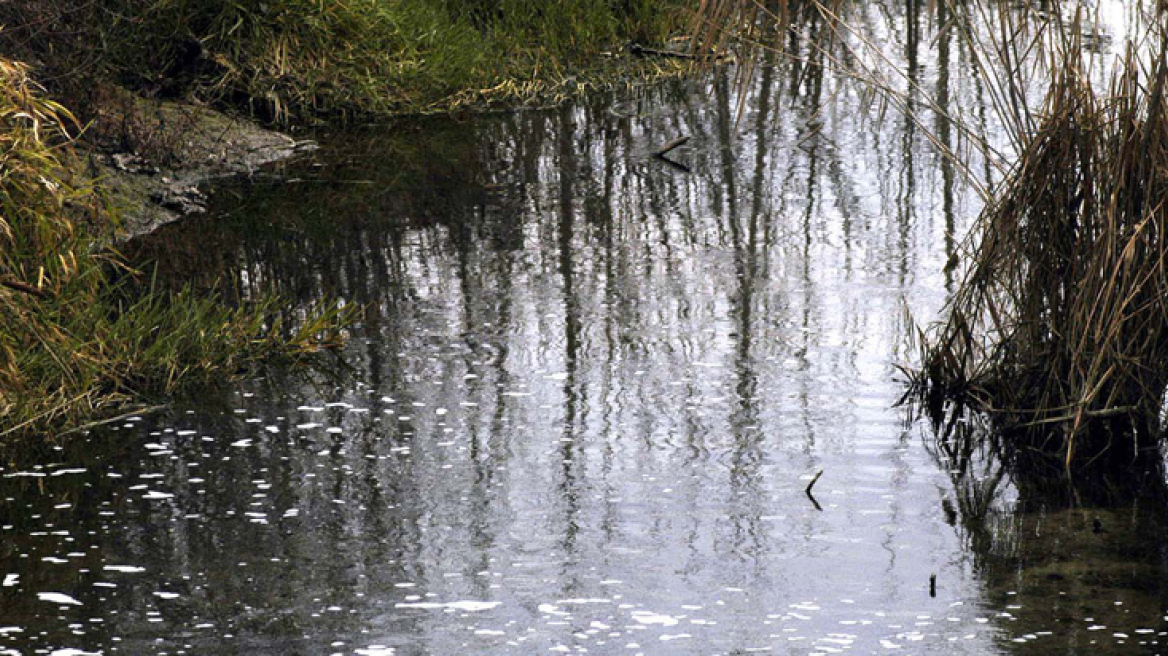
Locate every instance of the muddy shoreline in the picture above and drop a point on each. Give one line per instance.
(200, 144)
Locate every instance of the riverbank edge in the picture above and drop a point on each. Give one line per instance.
(131, 188)
(201, 143)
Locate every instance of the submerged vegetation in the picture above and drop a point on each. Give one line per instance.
(77, 340)
(1054, 347)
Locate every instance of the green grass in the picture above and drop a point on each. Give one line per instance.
(296, 60)
(81, 336)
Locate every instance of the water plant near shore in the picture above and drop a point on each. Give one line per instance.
(1058, 333)
(1059, 330)
(77, 340)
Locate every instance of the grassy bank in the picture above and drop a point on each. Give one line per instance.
(79, 337)
(298, 60)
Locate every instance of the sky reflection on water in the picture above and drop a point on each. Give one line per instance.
(582, 409)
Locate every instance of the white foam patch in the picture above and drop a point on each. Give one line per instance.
(465, 605)
(58, 598)
(649, 617)
(473, 606)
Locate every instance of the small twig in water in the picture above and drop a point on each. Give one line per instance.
(677, 165)
(814, 480)
(810, 485)
(668, 146)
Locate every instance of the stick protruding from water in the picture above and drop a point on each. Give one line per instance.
(807, 490)
(670, 145)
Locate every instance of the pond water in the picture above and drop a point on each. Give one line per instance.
(581, 411)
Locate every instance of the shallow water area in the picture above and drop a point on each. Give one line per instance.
(581, 412)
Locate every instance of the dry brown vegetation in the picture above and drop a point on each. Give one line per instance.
(1060, 330)
(1057, 337)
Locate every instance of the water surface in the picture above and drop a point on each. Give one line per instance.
(582, 409)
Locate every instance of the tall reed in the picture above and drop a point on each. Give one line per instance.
(1058, 332)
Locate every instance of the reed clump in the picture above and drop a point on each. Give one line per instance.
(1057, 335)
(1059, 331)
(77, 339)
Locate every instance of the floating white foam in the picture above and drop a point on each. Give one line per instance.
(649, 617)
(465, 605)
(129, 569)
(472, 606)
(58, 598)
